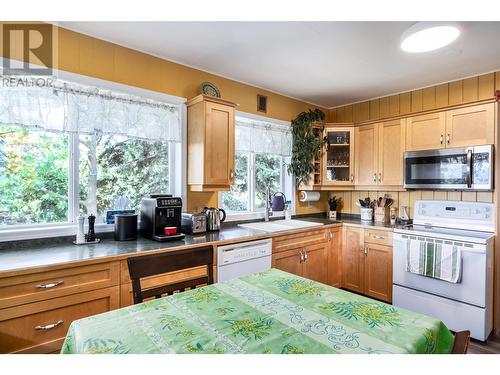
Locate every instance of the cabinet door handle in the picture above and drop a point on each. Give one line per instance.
(305, 256)
(49, 326)
(380, 177)
(231, 174)
(441, 139)
(330, 236)
(448, 138)
(366, 250)
(374, 177)
(352, 178)
(301, 256)
(50, 285)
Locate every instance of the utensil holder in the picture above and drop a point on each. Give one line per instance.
(382, 214)
(366, 214)
(332, 215)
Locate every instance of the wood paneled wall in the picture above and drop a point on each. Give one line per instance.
(440, 96)
(408, 198)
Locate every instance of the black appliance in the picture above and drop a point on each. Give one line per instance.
(159, 211)
(125, 227)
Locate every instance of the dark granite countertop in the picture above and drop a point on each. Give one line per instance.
(50, 251)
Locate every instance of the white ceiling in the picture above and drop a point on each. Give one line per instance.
(325, 63)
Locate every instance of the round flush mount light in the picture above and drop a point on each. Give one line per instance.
(428, 36)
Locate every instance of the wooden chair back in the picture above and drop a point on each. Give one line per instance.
(461, 343)
(156, 264)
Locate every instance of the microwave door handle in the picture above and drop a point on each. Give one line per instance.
(469, 168)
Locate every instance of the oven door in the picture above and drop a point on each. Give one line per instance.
(470, 289)
(468, 168)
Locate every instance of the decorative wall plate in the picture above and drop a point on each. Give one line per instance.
(208, 88)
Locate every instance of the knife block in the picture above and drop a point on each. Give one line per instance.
(382, 214)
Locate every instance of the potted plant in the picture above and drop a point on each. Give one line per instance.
(306, 146)
(333, 203)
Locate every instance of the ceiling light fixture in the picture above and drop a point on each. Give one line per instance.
(428, 36)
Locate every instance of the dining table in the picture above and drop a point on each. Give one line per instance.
(269, 312)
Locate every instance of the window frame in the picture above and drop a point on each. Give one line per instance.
(177, 171)
(287, 185)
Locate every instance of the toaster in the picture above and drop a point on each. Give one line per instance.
(193, 223)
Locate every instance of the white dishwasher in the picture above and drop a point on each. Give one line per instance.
(242, 259)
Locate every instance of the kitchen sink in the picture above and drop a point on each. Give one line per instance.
(279, 225)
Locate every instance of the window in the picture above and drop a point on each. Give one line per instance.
(262, 153)
(117, 171)
(34, 175)
(80, 150)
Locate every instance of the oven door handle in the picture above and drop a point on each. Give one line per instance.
(469, 168)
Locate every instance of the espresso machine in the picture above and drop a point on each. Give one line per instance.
(161, 217)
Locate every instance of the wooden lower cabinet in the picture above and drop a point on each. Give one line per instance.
(315, 266)
(353, 259)
(334, 266)
(315, 255)
(22, 327)
(378, 272)
(367, 266)
(288, 261)
(43, 285)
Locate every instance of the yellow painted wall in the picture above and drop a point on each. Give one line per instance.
(93, 57)
(440, 96)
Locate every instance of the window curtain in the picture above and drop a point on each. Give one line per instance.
(70, 107)
(263, 137)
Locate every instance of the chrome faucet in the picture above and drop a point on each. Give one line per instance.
(268, 211)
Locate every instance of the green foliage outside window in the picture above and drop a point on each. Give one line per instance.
(35, 168)
(33, 176)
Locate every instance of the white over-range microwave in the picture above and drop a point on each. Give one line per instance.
(463, 168)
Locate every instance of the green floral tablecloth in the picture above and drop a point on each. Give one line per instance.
(267, 312)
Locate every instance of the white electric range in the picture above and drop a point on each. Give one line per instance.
(467, 304)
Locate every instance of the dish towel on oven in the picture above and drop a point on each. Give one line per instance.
(439, 261)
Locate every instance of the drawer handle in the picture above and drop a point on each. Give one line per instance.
(377, 237)
(49, 286)
(49, 326)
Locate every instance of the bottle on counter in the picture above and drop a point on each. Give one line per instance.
(91, 232)
(80, 236)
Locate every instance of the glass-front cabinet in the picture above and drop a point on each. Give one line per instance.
(338, 159)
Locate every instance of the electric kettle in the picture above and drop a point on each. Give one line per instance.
(278, 202)
(214, 218)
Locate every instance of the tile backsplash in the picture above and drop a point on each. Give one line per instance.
(408, 198)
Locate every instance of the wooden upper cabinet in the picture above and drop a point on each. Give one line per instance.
(426, 132)
(471, 126)
(353, 259)
(378, 271)
(366, 155)
(338, 160)
(391, 147)
(210, 143)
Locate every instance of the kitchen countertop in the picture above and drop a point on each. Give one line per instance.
(17, 255)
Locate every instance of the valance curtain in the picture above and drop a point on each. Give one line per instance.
(263, 137)
(70, 107)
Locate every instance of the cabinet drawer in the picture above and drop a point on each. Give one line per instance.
(380, 237)
(294, 241)
(126, 297)
(28, 288)
(17, 324)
